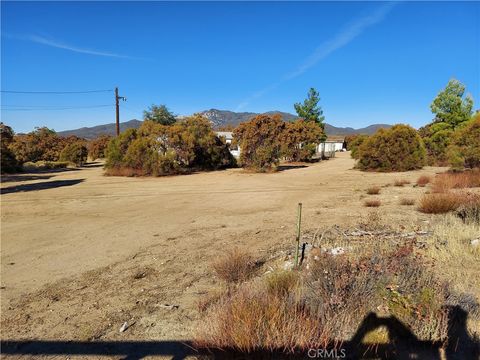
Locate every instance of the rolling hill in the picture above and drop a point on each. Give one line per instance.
(218, 118)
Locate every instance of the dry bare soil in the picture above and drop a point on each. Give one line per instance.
(81, 253)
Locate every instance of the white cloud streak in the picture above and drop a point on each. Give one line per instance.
(60, 45)
(343, 38)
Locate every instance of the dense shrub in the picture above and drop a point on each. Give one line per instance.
(75, 153)
(465, 149)
(353, 142)
(117, 148)
(42, 144)
(97, 147)
(396, 149)
(452, 111)
(299, 140)
(9, 163)
(259, 141)
(156, 149)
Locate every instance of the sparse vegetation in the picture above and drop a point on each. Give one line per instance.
(328, 302)
(373, 190)
(372, 203)
(401, 182)
(456, 180)
(407, 201)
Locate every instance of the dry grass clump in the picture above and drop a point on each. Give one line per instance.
(469, 209)
(235, 266)
(401, 182)
(456, 180)
(423, 180)
(327, 303)
(372, 203)
(439, 203)
(407, 201)
(374, 190)
(281, 282)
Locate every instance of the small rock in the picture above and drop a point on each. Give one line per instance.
(337, 251)
(288, 265)
(167, 306)
(124, 327)
(475, 242)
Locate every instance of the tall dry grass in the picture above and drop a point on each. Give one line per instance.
(328, 302)
(452, 180)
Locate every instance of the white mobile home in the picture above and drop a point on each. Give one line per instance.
(228, 136)
(332, 144)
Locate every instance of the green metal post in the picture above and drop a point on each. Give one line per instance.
(299, 224)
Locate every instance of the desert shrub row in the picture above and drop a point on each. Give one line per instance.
(156, 149)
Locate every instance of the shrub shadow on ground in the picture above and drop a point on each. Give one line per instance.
(26, 177)
(39, 186)
(403, 344)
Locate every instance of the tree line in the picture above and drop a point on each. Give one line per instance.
(166, 145)
(452, 138)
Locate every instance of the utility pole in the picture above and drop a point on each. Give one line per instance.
(117, 111)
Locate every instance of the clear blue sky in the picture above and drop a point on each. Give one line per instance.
(372, 62)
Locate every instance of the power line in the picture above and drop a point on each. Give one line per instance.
(55, 92)
(55, 108)
(51, 106)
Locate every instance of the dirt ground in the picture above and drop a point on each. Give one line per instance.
(81, 253)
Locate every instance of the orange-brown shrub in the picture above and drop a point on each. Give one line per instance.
(372, 203)
(423, 180)
(440, 203)
(399, 148)
(235, 266)
(374, 190)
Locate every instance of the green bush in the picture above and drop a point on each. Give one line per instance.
(354, 142)
(117, 148)
(9, 163)
(75, 153)
(157, 149)
(399, 148)
(465, 149)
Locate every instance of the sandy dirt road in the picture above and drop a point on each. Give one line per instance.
(77, 245)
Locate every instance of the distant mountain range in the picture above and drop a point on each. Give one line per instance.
(219, 119)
